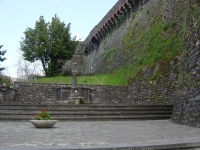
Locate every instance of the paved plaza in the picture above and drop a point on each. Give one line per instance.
(80, 135)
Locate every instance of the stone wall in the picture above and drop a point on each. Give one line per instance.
(178, 78)
(146, 90)
(187, 105)
(7, 94)
(111, 55)
(98, 61)
(27, 92)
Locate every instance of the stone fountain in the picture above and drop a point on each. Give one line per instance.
(74, 94)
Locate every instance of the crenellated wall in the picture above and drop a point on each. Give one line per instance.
(110, 54)
(111, 21)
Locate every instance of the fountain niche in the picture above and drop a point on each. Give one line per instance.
(74, 94)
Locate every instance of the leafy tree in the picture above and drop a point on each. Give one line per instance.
(50, 43)
(2, 53)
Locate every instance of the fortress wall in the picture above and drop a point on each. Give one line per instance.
(178, 81)
(96, 61)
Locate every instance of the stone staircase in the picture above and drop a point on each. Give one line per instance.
(63, 112)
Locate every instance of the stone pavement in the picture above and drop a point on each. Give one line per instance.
(80, 135)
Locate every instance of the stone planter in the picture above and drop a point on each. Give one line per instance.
(43, 123)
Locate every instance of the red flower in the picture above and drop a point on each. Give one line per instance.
(43, 110)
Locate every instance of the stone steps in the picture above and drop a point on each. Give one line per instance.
(86, 112)
(83, 107)
(98, 112)
(91, 118)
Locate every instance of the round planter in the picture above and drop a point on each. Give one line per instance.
(43, 123)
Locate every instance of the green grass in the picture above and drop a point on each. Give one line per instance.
(101, 79)
(57, 79)
(148, 47)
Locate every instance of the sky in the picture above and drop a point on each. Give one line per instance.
(17, 15)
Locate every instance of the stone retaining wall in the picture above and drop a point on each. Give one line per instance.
(7, 94)
(27, 92)
(145, 90)
(187, 105)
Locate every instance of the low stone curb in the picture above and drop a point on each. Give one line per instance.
(195, 145)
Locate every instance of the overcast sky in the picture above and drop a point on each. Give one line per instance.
(17, 15)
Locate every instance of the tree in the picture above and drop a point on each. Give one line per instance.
(50, 43)
(2, 53)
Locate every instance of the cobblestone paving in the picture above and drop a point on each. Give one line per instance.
(68, 134)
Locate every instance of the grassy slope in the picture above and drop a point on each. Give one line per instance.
(152, 40)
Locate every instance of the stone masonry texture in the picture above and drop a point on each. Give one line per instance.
(36, 93)
(179, 83)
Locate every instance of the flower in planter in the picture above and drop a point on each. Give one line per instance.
(43, 116)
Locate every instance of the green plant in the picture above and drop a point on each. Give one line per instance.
(104, 42)
(118, 23)
(148, 47)
(133, 15)
(165, 26)
(85, 80)
(107, 54)
(173, 24)
(43, 116)
(147, 12)
(5, 79)
(140, 8)
(122, 17)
